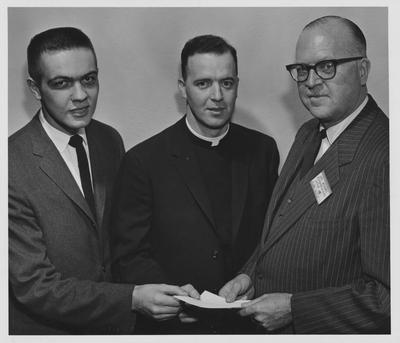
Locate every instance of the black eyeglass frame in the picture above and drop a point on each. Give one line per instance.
(308, 67)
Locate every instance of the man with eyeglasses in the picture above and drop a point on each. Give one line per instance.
(323, 262)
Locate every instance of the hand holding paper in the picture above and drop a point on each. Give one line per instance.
(240, 287)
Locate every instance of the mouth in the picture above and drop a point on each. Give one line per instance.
(216, 109)
(316, 97)
(80, 111)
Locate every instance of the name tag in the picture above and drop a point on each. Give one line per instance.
(320, 187)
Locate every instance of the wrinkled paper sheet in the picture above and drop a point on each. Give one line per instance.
(210, 300)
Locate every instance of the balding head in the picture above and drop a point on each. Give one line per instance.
(345, 32)
(332, 43)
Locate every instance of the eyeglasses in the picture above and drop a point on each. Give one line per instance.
(326, 69)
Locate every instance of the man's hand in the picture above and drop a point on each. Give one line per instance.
(191, 292)
(272, 311)
(157, 301)
(240, 287)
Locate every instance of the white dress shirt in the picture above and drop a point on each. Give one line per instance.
(335, 131)
(67, 152)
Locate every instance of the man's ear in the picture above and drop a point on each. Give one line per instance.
(34, 88)
(182, 88)
(365, 66)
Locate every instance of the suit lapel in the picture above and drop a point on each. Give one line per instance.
(185, 161)
(304, 197)
(53, 165)
(339, 154)
(98, 173)
(288, 173)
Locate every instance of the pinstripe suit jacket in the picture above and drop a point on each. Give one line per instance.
(333, 257)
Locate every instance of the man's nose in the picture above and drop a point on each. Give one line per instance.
(313, 79)
(216, 94)
(78, 92)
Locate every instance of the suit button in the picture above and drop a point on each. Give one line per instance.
(215, 254)
(259, 276)
(289, 201)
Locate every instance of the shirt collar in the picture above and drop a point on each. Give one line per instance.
(59, 138)
(334, 131)
(213, 140)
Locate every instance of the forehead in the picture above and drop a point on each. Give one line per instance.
(69, 63)
(210, 64)
(323, 42)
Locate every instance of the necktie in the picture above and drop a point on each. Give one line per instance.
(311, 151)
(76, 141)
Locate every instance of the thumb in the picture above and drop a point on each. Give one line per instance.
(191, 291)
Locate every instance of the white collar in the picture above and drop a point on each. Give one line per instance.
(213, 140)
(59, 138)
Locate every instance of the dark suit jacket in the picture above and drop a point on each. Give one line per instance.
(163, 223)
(59, 263)
(333, 257)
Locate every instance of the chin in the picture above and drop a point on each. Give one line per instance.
(79, 124)
(218, 123)
(318, 112)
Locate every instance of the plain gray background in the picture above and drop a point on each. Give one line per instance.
(138, 52)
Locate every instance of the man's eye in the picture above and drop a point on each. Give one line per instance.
(203, 84)
(326, 66)
(60, 84)
(301, 70)
(228, 84)
(89, 80)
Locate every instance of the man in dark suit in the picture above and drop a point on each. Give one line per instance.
(323, 262)
(62, 167)
(190, 201)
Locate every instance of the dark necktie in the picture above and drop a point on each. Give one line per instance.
(311, 151)
(76, 141)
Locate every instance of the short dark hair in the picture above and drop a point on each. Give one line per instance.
(56, 39)
(359, 38)
(206, 44)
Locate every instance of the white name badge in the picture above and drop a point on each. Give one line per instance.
(320, 187)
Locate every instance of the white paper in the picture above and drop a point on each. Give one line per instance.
(211, 300)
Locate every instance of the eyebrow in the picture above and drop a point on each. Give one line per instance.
(72, 78)
(209, 78)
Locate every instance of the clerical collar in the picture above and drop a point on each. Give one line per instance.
(335, 131)
(213, 140)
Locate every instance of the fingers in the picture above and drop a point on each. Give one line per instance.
(230, 290)
(162, 317)
(191, 291)
(250, 307)
(172, 290)
(161, 299)
(240, 285)
(236, 290)
(159, 310)
(248, 295)
(224, 291)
